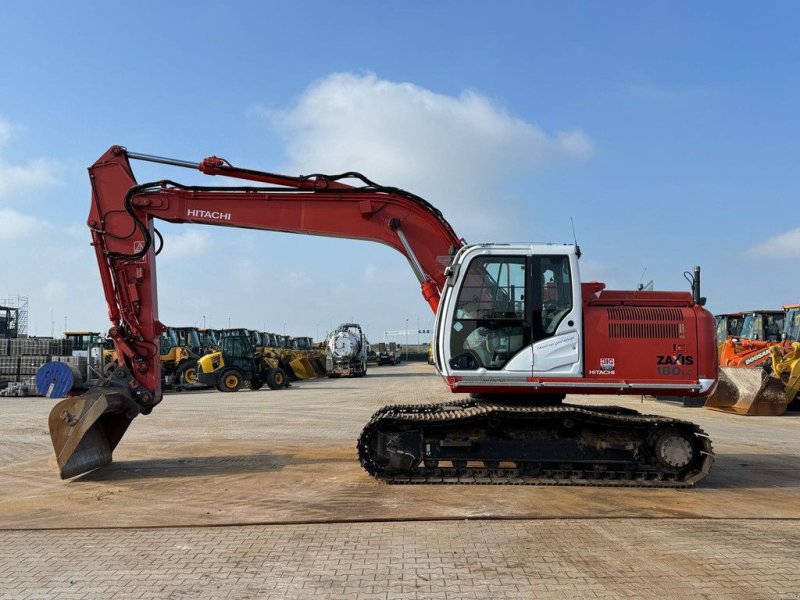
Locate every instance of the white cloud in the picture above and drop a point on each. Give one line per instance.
(785, 245)
(14, 225)
(185, 245)
(455, 150)
(23, 178)
(35, 174)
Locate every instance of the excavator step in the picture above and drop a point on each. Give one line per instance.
(492, 443)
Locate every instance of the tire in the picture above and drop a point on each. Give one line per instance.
(186, 376)
(333, 375)
(230, 381)
(256, 384)
(276, 378)
(362, 371)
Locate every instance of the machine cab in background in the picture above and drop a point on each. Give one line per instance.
(510, 312)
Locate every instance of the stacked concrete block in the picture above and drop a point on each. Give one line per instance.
(9, 365)
(29, 347)
(28, 365)
(3, 346)
(60, 347)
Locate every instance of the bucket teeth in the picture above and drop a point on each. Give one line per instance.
(85, 429)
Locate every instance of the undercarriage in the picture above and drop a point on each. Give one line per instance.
(481, 442)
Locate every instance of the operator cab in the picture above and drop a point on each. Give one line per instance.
(728, 325)
(763, 325)
(792, 323)
(82, 341)
(168, 341)
(511, 312)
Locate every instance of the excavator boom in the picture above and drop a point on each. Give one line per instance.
(121, 221)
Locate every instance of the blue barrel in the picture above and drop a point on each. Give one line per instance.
(57, 379)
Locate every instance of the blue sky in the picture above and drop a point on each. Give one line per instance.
(669, 131)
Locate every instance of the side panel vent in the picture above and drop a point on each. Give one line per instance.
(646, 330)
(643, 322)
(632, 313)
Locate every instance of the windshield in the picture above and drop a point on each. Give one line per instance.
(793, 324)
(749, 326)
(728, 325)
(236, 345)
(208, 337)
(168, 341)
(302, 344)
(188, 337)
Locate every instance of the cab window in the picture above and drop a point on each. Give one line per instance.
(489, 324)
(552, 290)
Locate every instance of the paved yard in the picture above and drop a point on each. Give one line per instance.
(414, 560)
(259, 494)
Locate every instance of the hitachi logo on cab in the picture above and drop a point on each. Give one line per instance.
(208, 214)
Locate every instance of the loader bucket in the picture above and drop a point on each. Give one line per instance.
(85, 429)
(309, 366)
(319, 366)
(300, 369)
(748, 391)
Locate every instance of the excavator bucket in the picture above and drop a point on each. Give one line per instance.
(748, 391)
(85, 429)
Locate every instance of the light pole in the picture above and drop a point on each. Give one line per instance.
(417, 331)
(204, 321)
(406, 340)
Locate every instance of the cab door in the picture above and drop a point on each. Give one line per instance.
(556, 316)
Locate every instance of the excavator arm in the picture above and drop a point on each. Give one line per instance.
(86, 429)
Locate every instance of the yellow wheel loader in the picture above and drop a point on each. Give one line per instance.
(767, 391)
(313, 362)
(237, 363)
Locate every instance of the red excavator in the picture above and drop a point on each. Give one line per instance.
(515, 329)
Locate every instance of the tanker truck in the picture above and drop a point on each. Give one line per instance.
(346, 351)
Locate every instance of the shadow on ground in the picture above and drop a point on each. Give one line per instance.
(751, 471)
(197, 466)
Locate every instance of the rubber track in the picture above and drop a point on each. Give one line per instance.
(467, 409)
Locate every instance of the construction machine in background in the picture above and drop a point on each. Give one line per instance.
(184, 376)
(313, 357)
(388, 353)
(346, 351)
(515, 327)
(179, 358)
(82, 341)
(756, 373)
(728, 325)
(239, 363)
(764, 325)
(209, 339)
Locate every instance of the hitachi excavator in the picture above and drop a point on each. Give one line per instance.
(515, 328)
